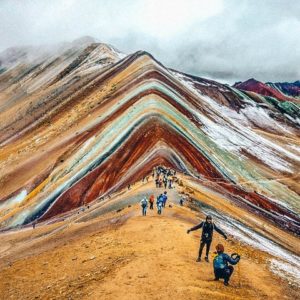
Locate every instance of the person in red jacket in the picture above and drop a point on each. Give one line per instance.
(151, 201)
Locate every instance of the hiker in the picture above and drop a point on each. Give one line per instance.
(207, 235)
(181, 201)
(144, 205)
(164, 198)
(221, 260)
(33, 224)
(170, 183)
(160, 182)
(128, 186)
(156, 183)
(165, 182)
(151, 201)
(159, 204)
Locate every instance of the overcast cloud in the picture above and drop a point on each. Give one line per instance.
(227, 40)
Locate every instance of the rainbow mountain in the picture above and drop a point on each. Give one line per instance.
(82, 121)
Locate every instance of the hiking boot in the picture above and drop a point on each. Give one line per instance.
(198, 259)
(226, 283)
(206, 259)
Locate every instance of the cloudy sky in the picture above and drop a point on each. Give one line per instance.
(223, 39)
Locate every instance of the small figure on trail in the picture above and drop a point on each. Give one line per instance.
(128, 186)
(160, 182)
(164, 198)
(170, 183)
(221, 260)
(147, 178)
(151, 201)
(165, 182)
(159, 203)
(181, 201)
(207, 235)
(33, 224)
(157, 182)
(144, 205)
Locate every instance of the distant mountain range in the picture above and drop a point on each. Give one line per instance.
(283, 91)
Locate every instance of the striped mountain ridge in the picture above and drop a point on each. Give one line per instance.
(282, 91)
(81, 125)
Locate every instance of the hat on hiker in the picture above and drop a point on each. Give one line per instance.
(220, 248)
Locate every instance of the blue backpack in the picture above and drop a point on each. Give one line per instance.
(219, 262)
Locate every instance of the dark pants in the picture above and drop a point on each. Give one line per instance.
(224, 273)
(151, 205)
(144, 210)
(202, 244)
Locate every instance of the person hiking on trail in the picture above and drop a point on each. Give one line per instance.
(165, 182)
(33, 224)
(207, 235)
(157, 182)
(170, 183)
(144, 205)
(164, 198)
(221, 260)
(151, 201)
(181, 201)
(159, 204)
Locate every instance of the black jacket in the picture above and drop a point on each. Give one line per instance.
(208, 230)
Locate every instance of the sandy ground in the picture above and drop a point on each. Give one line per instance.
(123, 255)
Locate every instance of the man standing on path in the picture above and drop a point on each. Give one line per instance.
(159, 203)
(164, 198)
(207, 235)
(144, 205)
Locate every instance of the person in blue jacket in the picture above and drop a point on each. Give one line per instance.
(221, 261)
(207, 235)
(159, 203)
(164, 198)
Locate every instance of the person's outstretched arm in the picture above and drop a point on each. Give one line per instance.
(220, 231)
(231, 260)
(195, 227)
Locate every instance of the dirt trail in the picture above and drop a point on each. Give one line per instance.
(123, 255)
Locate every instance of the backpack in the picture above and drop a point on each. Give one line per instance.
(144, 203)
(219, 262)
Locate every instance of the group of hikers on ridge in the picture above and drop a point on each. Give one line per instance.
(164, 177)
(221, 260)
(161, 201)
